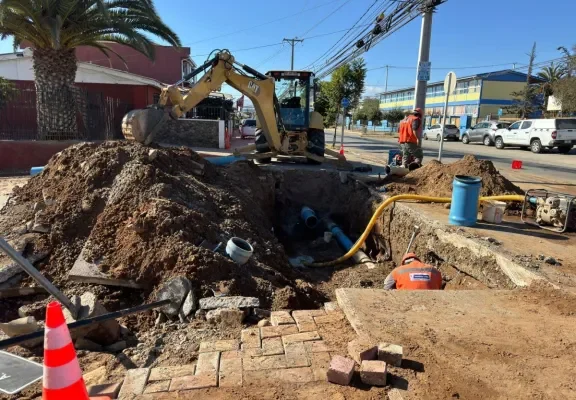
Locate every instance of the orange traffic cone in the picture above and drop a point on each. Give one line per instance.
(342, 149)
(62, 377)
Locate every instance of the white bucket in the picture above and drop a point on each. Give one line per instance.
(493, 211)
(239, 250)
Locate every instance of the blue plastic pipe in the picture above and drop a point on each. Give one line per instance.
(224, 160)
(344, 241)
(36, 170)
(465, 199)
(309, 217)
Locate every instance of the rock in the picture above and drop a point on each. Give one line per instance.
(85, 344)
(177, 288)
(36, 310)
(551, 261)
(491, 240)
(29, 226)
(160, 319)
(47, 197)
(39, 206)
(116, 347)
(40, 228)
(541, 257)
(212, 303)
(225, 316)
(104, 333)
(86, 205)
(447, 206)
(263, 322)
(200, 314)
(153, 154)
(189, 304)
(95, 376)
(8, 271)
(20, 230)
(22, 326)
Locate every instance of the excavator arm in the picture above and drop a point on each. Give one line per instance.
(142, 125)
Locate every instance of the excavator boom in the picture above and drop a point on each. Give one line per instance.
(142, 125)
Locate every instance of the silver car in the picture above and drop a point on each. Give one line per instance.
(450, 132)
(483, 132)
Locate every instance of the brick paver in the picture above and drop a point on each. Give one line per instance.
(329, 318)
(163, 373)
(301, 337)
(275, 331)
(296, 355)
(208, 362)
(134, 383)
(341, 370)
(373, 372)
(250, 338)
(200, 381)
(390, 353)
(157, 387)
(281, 318)
(219, 345)
(304, 322)
(272, 346)
(361, 349)
(230, 354)
(266, 362)
(230, 372)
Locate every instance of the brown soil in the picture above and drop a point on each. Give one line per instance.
(435, 179)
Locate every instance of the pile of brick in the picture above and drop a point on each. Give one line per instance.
(373, 361)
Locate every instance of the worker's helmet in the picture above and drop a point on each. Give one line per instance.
(409, 257)
(316, 120)
(418, 111)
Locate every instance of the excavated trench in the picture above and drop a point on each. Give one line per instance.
(464, 263)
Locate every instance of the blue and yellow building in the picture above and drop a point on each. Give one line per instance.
(476, 97)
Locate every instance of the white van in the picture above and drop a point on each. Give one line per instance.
(538, 134)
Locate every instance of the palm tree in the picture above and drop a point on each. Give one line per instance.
(54, 28)
(550, 75)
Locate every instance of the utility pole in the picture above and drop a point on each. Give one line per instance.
(292, 43)
(386, 85)
(423, 57)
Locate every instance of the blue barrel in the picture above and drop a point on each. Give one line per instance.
(465, 198)
(391, 155)
(36, 170)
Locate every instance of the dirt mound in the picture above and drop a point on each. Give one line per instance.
(146, 214)
(435, 179)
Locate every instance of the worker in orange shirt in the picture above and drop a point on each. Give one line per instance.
(413, 275)
(408, 136)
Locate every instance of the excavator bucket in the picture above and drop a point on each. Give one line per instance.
(141, 125)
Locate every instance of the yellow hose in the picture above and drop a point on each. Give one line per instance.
(391, 200)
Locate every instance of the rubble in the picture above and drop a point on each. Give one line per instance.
(225, 316)
(86, 344)
(104, 333)
(22, 326)
(211, 303)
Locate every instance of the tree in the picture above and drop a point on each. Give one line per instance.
(394, 116)
(527, 100)
(8, 92)
(564, 89)
(369, 111)
(55, 28)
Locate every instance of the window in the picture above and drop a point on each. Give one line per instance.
(566, 123)
(462, 87)
(526, 124)
(187, 67)
(515, 125)
(502, 125)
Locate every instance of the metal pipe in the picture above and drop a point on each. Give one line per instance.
(359, 257)
(78, 324)
(309, 216)
(34, 273)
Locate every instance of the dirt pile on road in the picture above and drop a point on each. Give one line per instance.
(148, 214)
(435, 179)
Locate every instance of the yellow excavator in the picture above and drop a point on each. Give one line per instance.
(286, 127)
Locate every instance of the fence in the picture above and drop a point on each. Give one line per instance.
(63, 114)
(209, 112)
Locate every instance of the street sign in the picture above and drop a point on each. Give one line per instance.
(450, 83)
(499, 112)
(16, 373)
(424, 70)
(345, 102)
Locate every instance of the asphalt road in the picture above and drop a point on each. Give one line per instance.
(547, 166)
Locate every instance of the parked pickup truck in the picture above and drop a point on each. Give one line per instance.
(538, 134)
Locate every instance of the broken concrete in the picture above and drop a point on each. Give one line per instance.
(22, 326)
(176, 290)
(226, 316)
(85, 344)
(211, 303)
(189, 305)
(104, 333)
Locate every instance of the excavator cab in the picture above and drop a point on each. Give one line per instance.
(293, 90)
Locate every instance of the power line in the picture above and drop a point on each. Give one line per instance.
(252, 27)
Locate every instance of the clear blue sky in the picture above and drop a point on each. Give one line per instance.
(465, 33)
